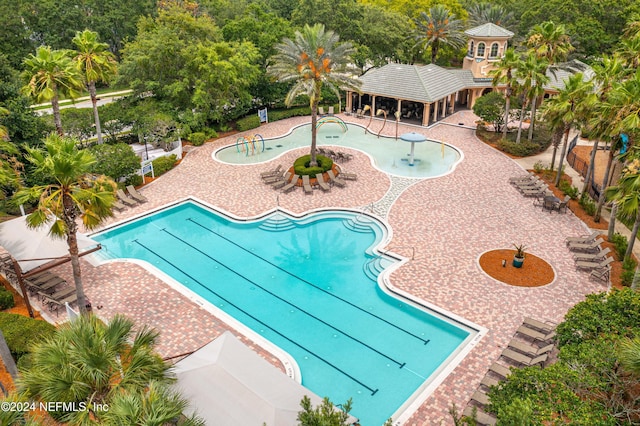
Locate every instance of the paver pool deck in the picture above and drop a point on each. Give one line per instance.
(449, 221)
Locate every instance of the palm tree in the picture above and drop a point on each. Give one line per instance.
(97, 64)
(73, 194)
(503, 73)
(312, 61)
(564, 109)
(88, 361)
(440, 26)
(482, 13)
(550, 41)
(531, 76)
(49, 74)
(626, 194)
(629, 355)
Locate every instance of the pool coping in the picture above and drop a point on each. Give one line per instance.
(291, 368)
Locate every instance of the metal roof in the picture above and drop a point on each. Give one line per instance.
(421, 83)
(489, 30)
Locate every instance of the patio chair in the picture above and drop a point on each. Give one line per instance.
(601, 274)
(589, 247)
(359, 113)
(125, 198)
(481, 417)
(595, 257)
(594, 265)
(135, 194)
(330, 111)
(563, 205)
(528, 349)
(336, 181)
(321, 183)
(480, 398)
(539, 325)
(535, 334)
(500, 370)
(291, 185)
(524, 360)
(321, 110)
(584, 239)
(306, 185)
(272, 172)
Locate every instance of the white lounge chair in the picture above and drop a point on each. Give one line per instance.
(523, 359)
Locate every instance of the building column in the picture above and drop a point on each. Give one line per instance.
(435, 111)
(373, 104)
(348, 106)
(426, 115)
(444, 107)
(399, 109)
(452, 103)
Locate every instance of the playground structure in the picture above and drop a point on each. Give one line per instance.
(250, 146)
(331, 119)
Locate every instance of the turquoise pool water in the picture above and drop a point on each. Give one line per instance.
(308, 286)
(390, 155)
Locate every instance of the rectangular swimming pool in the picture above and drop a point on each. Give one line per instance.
(310, 287)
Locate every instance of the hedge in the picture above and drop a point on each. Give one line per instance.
(6, 299)
(252, 121)
(162, 165)
(197, 138)
(21, 332)
(301, 165)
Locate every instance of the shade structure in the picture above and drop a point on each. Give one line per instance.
(227, 384)
(33, 247)
(414, 138)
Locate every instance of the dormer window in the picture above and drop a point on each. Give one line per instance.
(480, 49)
(494, 51)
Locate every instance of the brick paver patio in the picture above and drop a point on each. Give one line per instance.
(449, 222)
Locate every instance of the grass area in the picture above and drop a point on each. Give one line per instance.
(67, 101)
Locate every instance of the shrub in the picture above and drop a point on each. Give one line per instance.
(162, 165)
(538, 166)
(135, 180)
(6, 299)
(210, 133)
(197, 138)
(588, 205)
(301, 165)
(628, 271)
(275, 115)
(114, 160)
(522, 149)
(21, 332)
(620, 242)
(569, 190)
(248, 123)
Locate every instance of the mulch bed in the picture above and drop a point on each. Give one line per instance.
(535, 272)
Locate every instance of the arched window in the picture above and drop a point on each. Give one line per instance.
(480, 49)
(494, 51)
(470, 52)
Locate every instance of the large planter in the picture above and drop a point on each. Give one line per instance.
(518, 261)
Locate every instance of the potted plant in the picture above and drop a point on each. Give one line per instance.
(518, 257)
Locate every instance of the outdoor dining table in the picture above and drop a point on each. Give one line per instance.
(550, 200)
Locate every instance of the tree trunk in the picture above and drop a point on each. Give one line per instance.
(592, 161)
(555, 140)
(612, 221)
(605, 184)
(636, 278)
(533, 117)
(314, 133)
(507, 107)
(94, 101)
(520, 124)
(634, 235)
(7, 358)
(55, 107)
(434, 50)
(563, 152)
(72, 241)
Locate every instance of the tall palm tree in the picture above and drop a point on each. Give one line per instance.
(97, 64)
(439, 27)
(315, 59)
(88, 361)
(49, 74)
(564, 109)
(550, 41)
(73, 193)
(626, 194)
(482, 13)
(504, 73)
(532, 77)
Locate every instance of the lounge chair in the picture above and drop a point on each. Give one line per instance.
(489, 381)
(330, 111)
(481, 398)
(594, 265)
(535, 334)
(592, 257)
(562, 205)
(500, 370)
(55, 304)
(321, 183)
(481, 417)
(118, 205)
(47, 286)
(523, 359)
(530, 184)
(306, 185)
(125, 198)
(347, 176)
(528, 349)
(522, 178)
(282, 181)
(336, 181)
(601, 274)
(291, 185)
(135, 194)
(588, 248)
(584, 239)
(539, 325)
(274, 178)
(321, 110)
(277, 170)
(359, 113)
(64, 292)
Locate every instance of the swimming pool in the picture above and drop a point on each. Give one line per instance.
(432, 158)
(309, 286)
